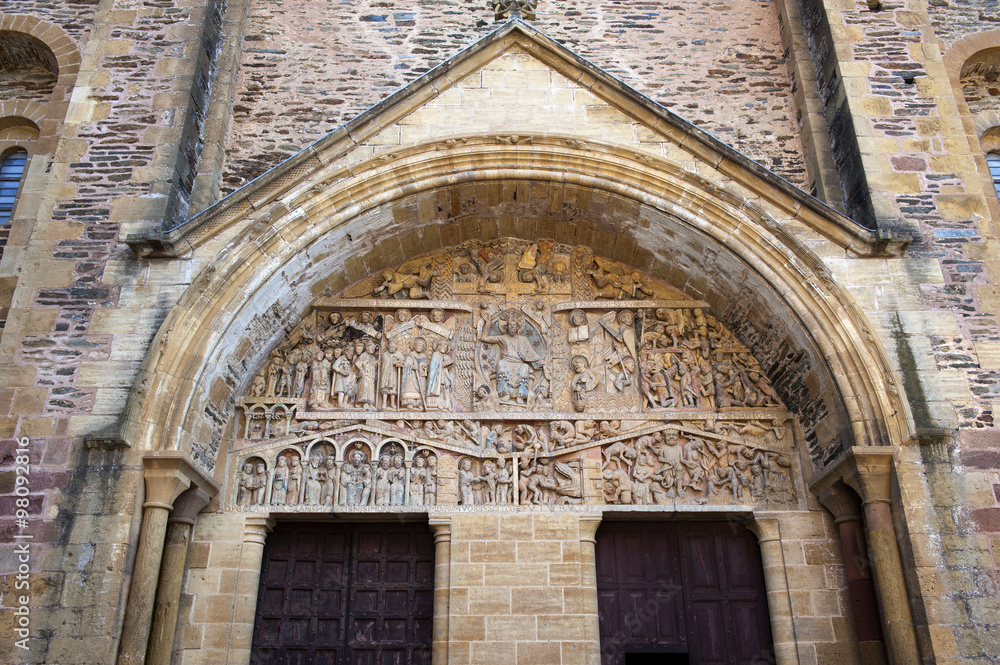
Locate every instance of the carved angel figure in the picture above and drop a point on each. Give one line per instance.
(402, 284)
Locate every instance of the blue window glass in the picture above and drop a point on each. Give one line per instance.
(993, 159)
(11, 170)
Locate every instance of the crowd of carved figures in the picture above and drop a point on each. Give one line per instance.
(513, 358)
(326, 481)
(616, 360)
(732, 461)
(662, 467)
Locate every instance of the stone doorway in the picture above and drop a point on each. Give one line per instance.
(681, 592)
(332, 594)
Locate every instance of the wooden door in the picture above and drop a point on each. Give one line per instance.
(333, 594)
(681, 588)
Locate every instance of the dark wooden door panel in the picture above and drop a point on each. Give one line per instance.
(688, 587)
(339, 594)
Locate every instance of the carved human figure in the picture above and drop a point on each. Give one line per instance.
(622, 453)
(260, 483)
(707, 388)
(777, 476)
(579, 331)
(328, 492)
(286, 376)
(723, 392)
(533, 474)
(488, 480)
(397, 481)
(617, 486)
(315, 475)
(341, 373)
(399, 284)
(504, 484)
(642, 476)
(279, 485)
(690, 385)
(466, 477)
(319, 373)
(390, 376)
(652, 383)
(244, 495)
(431, 481)
(517, 359)
(366, 369)
(383, 480)
(563, 433)
(584, 381)
(439, 378)
(695, 464)
(623, 374)
(294, 481)
(615, 344)
(412, 391)
(257, 386)
(355, 480)
(418, 477)
(273, 374)
(301, 372)
(608, 429)
(586, 431)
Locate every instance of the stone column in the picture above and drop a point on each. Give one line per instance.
(870, 475)
(442, 588)
(768, 532)
(845, 506)
(255, 532)
(179, 525)
(588, 570)
(166, 476)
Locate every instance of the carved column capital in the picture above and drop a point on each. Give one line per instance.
(588, 527)
(187, 506)
(167, 473)
(256, 528)
(441, 527)
(867, 470)
(766, 529)
(842, 502)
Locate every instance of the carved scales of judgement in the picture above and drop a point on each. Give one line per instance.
(510, 373)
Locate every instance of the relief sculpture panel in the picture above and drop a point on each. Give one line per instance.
(510, 373)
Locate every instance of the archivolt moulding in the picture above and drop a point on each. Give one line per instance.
(280, 261)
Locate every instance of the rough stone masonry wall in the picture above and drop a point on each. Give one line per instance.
(310, 66)
(83, 315)
(936, 309)
(955, 19)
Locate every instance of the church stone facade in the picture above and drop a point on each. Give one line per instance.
(445, 332)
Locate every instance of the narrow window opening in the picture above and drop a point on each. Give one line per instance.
(11, 170)
(993, 159)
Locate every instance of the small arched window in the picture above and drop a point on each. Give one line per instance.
(11, 170)
(993, 159)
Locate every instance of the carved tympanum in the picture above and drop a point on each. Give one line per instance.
(510, 373)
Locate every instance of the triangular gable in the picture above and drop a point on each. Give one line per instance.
(516, 83)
